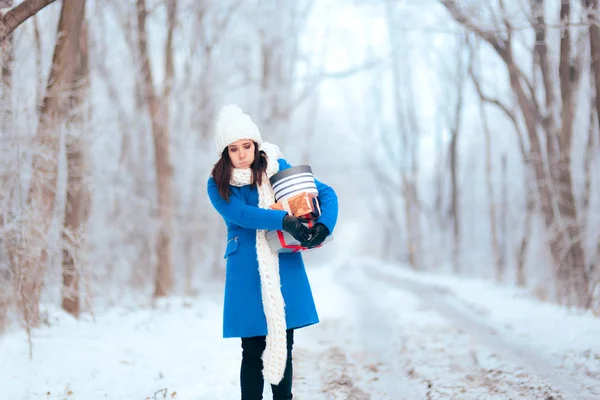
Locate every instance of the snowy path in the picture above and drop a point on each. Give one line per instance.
(413, 340)
(385, 334)
(469, 320)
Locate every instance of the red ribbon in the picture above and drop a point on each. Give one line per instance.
(284, 245)
(295, 247)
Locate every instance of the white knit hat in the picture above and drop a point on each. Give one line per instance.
(234, 125)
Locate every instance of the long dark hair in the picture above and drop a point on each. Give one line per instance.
(221, 172)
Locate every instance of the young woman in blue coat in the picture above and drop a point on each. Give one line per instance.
(267, 295)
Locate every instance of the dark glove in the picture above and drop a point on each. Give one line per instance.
(299, 231)
(319, 234)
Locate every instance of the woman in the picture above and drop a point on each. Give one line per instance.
(267, 295)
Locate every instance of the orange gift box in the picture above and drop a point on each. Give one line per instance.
(302, 205)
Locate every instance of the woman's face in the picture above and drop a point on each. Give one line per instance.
(241, 153)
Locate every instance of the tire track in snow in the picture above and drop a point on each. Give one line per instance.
(422, 355)
(330, 359)
(458, 312)
(325, 371)
(382, 340)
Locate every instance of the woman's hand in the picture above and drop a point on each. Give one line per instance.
(299, 231)
(319, 234)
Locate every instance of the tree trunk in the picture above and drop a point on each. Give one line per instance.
(417, 239)
(38, 60)
(413, 194)
(572, 268)
(521, 278)
(541, 51)
(6, 281)
(42, 190)
(188, 259)
(440, 179)
(503, 225)
(158, 112)
(6, 132)
(491, 197)
(455, 126)
(587, 162)
(455, 194)
(440, 217)
(410, 222)
(595, 270)
(6, 192)
(77, 204)
(594, 31)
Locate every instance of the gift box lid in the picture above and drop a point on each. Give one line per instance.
(292, 181)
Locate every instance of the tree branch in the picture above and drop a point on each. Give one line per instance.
(16, 16)
(502, 45)
(503, 48)
(511, 115)
(311, 86)
(495, 41)
(509, 26)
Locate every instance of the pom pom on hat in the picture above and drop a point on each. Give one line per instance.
(233, 125)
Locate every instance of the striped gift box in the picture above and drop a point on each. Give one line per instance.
(292, 181)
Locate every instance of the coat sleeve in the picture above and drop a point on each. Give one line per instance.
(328, 201)
(238, 212)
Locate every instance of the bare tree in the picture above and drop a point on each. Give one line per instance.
(78, 197)
(42, 191)
(279, 28)
(587, 163)
(593, 20)
(208, 32)
(521, 255)
(133, 173)
(552, 165)
(459, 76)
(498, 261)
(159, 115)
(495, 241)
(6, 129)
(529, 185)
(406, 158)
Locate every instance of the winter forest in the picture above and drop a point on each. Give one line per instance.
(462, 138)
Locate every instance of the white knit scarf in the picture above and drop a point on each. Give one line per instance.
(275, 354)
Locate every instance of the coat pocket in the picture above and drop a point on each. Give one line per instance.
(232, 245)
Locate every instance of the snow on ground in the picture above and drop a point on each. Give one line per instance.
(565, 342)
(403, 340)
(123, 355)
(385, 333)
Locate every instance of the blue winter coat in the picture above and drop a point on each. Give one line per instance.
(243, 314)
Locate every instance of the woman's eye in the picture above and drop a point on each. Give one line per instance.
(233, 150)
(247, 147)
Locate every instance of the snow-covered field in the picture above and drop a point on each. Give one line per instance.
(385, 333)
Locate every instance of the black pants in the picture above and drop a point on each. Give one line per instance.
(251, 378)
